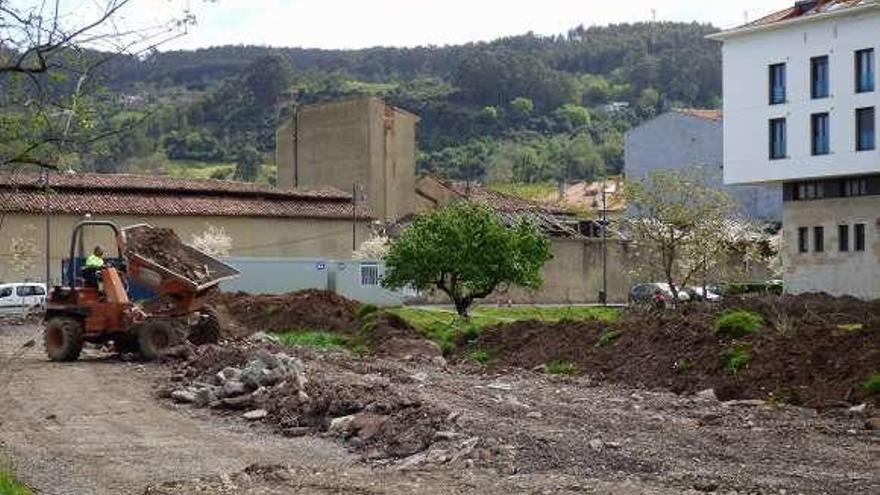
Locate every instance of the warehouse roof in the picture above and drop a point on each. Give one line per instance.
(125, 194)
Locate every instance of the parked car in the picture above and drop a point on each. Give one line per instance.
(696, 294)
(644, 293)
(27, 297)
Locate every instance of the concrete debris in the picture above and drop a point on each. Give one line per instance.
(708, 394)
(255, 415)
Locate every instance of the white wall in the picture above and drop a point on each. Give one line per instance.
(747, 111)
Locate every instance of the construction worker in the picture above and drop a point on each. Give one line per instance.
(94, 264)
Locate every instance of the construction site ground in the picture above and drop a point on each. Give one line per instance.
(101, 426)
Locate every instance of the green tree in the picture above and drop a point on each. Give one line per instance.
(247, 166)
(465, 251)
(522, 107)
(575, 116)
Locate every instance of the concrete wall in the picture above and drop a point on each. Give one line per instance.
(359, 141)
(674, 141)
(838, 273)
(747, 111)
(251, 237)
(573, 276)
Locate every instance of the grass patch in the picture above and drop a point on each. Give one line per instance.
(607, 337)
(561, 368)
(9, 484)
(444, 326)
(851, 327)
(738, 323)
(481, 357)
(366, 310)
(737, 358)
(872, 385)
(311, 338)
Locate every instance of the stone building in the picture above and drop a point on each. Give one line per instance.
(360, 144)
(263, 223)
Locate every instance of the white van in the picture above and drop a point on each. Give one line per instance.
(25, 297)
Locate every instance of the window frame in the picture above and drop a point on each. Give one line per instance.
(816, 147)
(777, 71)
(819, 239)
(803, 240)
(781, 121)
(843, 238)
(862, 145)
(869, 68)
(859, 240)
(6, 292)
(369, 273)
(820, 91)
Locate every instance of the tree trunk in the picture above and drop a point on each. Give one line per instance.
(462, 304)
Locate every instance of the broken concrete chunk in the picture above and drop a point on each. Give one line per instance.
(183, 395)
(255, 414)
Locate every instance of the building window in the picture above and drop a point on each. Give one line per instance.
(859, 237)
(865, 126)
(819, 239)
(819, 77)
(854, 187)
(777, 139)
(843, 238)
(803, 239)
(777, 84)
(369, 274)
(820, 131)
(809, 190)
(865, 70)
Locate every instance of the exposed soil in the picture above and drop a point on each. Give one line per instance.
(814, 350)
(245, 314)
(164, 247)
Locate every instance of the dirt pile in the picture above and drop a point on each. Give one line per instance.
(309, 309)
(813, 350)
(165, 248)
(263, 383)
(390, 336)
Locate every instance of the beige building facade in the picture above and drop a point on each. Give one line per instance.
(833, 246)
(358, 144)
(260, 222)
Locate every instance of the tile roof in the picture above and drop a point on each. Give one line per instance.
(801, 10)
(122, 194)
(714, 115)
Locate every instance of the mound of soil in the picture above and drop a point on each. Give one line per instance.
(245, 314)
(814, 350)
(390, 336)
(165, 248)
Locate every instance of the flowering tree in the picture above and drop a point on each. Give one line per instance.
(213, 241)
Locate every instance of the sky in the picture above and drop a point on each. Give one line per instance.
(366, 23)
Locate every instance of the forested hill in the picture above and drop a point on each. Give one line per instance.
(519, 109)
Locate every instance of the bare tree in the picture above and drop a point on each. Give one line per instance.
(50, 54)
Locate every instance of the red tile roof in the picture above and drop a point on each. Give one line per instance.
(714, 115)
(121, 194)
(804, 10)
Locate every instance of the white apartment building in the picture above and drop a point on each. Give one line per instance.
(801, 97)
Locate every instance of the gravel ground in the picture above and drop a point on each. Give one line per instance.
(96, 427)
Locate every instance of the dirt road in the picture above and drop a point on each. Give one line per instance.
(95, 427)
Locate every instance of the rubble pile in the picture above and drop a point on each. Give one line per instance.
(366, 410)
(164, 247)
(814, 350)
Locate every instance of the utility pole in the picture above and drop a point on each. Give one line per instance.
(354, 216)
(44, 178)
(604, 243)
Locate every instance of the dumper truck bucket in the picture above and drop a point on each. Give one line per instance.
(202, 272)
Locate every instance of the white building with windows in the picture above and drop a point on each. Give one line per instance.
(800, 109)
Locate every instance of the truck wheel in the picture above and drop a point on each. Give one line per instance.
(207, 330)
(155, 338)
(63, 338)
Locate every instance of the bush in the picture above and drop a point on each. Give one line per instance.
(479, 356)
(607, 337)
(738, 323)
(366, 310)
(737, 359)
(872, 385)
(561, 368)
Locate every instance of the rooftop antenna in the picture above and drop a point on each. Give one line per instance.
(746, 16)
(653, 15)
